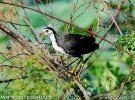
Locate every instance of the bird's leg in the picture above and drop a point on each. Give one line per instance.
(68, 66)
(81, 67)
(73, 70)
(78, 74)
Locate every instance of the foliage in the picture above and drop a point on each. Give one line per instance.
(127, 41)
(36, 81)
(22, 73)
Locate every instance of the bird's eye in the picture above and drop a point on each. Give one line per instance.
(46, 31)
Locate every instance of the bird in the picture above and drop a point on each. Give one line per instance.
(74, 45)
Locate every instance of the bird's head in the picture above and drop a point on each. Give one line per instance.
(47, 31)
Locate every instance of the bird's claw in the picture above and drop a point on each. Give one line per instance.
(77, 77)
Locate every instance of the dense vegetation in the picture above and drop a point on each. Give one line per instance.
(31, 69)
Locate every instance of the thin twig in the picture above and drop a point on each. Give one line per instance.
(13, 23)
(113, 16)
(14, 57)
(71, 16)
(132, 70)
(17, 38)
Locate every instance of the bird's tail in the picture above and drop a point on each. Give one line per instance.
(94, 46)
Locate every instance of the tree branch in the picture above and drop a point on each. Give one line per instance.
(17, 38)
(82, 90)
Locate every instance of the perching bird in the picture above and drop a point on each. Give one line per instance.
(71, 44)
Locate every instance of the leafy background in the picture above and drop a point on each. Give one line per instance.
(105, 71)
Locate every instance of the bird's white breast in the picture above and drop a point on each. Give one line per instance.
(54, 44)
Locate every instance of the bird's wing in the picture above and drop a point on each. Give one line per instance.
(78, 37)
(75, 41)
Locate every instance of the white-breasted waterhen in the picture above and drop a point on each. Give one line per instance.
(71, 44)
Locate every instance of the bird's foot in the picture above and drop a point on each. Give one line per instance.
(73, 70)
(72, 73)
(77, 77)
(73, 76)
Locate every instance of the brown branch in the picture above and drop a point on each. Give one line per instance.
(17, 38)
(6, 57)
(26, 21)
(13, 23)
(112, 15)
(82, 90)
(71, 16)
(19, 54)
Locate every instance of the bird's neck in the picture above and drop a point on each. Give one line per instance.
(54, 41)
(52, 37)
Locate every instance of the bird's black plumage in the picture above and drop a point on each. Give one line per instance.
(75, 44)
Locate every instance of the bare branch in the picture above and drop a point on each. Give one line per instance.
(82, 90)
(113, 16)
(17, 38)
